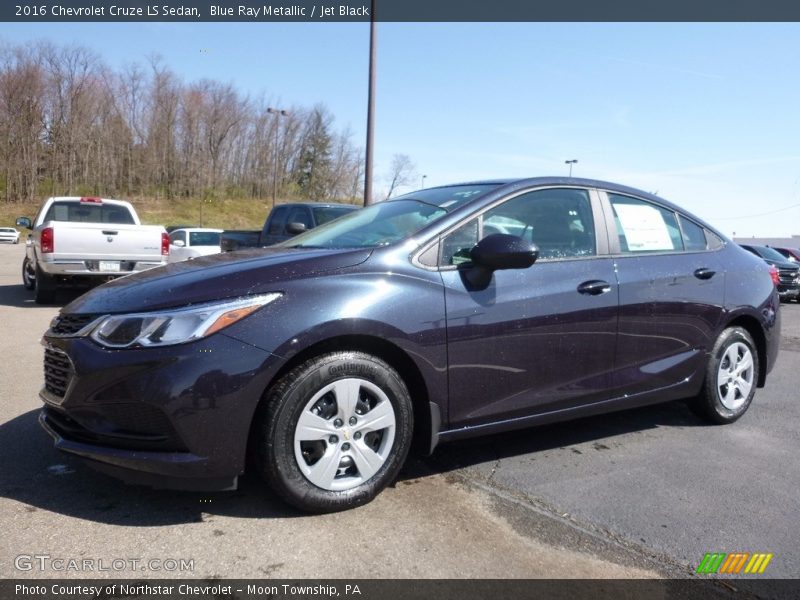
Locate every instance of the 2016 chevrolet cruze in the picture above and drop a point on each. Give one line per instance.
(446, 313)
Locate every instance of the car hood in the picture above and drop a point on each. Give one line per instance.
(215, 277)
(782, 264)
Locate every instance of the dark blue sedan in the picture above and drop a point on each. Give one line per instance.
(445, 313)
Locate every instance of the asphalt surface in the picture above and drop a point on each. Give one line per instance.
(643, 493)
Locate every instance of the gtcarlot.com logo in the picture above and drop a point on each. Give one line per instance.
(45, 562)
(734, 563)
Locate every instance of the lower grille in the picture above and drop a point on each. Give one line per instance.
(58, 372)
(90, 428)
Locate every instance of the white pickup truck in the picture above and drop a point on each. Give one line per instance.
(85, 241)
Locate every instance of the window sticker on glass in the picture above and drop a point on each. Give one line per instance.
(644, 227)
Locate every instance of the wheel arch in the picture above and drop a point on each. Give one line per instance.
(756, 331)
(427, 414)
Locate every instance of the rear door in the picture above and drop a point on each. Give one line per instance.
(671, 289)
(536, 339)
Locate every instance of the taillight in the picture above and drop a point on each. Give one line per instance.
(773, 272)
(48, 240)
(164, 244)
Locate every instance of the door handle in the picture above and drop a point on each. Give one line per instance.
(704, 273)
(109, 232)
(594, 287)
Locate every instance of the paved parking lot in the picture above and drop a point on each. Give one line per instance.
(642, 493)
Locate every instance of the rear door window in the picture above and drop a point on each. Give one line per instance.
(84, 212)
(644, 227)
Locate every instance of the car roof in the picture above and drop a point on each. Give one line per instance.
(322, 204)
(198, 229)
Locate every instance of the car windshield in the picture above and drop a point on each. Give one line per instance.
(323, 214)
(390, 221)
(204, 238)
(771, 254)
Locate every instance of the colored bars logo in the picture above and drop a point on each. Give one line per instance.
(734, 563)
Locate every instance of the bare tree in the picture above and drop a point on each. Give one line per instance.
(70, 124)
(401, 172)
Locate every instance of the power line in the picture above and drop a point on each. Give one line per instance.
(772, 212)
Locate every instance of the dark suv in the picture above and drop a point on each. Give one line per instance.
(788, 272)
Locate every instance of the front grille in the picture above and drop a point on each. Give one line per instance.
(65, 325)
(787, 275)
(58, 372)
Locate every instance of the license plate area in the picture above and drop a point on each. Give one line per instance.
(108, 266)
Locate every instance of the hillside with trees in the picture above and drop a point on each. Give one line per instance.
(71, 125)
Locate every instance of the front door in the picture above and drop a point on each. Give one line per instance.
(538, 339)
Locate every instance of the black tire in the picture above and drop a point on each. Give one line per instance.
(28, 278)
(336, 463)
(721, 401)
(45, 288)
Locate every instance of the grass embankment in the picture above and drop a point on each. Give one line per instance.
(241, 213)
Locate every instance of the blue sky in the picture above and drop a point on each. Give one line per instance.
(705, 114)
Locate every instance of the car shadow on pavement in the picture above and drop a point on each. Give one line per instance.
(599, 429)
(17, 295)
(42, 478)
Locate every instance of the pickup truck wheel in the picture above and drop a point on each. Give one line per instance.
(28, 276)
(45, 288)
(731, 378)
(334, 431)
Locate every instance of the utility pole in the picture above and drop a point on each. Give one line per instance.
(370, 109)
(278, 114)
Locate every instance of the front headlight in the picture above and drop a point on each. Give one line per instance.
(168, 327)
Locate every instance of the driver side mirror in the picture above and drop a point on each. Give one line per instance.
(24, 222)
(178, 243)
(497, 252)
(295, 228)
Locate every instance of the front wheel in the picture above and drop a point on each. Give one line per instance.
(334, 431)
(731, 378)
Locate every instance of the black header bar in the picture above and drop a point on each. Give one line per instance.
(268, 11)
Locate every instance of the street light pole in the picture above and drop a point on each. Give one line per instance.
(423, 181)
(370, 109)
(278, 113)
(570, 163)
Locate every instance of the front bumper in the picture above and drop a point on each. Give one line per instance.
(173, 417)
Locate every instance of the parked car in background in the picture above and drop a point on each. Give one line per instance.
(9, 234)
(323, 357)
(171, 228)
(82, 241)
(287, 220)
(191, 243)
(788, 272)
(790, 254)
(236, 239)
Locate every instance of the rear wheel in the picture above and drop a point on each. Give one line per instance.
(28, 275)
(334, 431)
(731, 378)
(45, 288)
